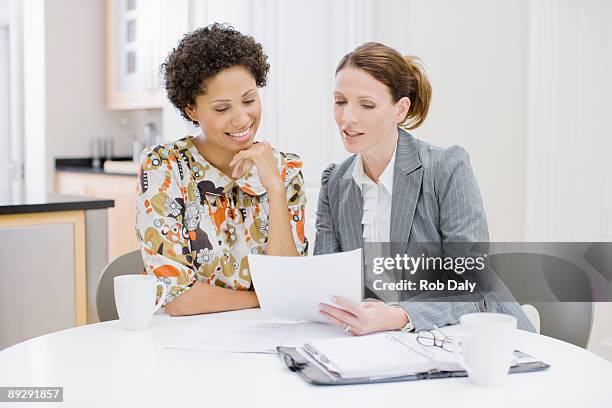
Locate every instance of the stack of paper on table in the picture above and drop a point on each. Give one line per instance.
(251, 336)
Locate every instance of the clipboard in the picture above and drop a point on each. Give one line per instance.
(316, 375)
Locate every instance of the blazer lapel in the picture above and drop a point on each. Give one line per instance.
(407, 178)
(350, 211)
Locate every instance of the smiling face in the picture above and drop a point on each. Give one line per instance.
(229, 111)
(365, 112)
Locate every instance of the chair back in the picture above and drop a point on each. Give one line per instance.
(534, 279)
(533, 315)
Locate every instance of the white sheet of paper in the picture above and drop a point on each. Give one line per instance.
(238, 336)
(293, 287)
(304, 332)
(248, 336)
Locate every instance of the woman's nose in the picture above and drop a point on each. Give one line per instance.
(348, 116)
(240, 119)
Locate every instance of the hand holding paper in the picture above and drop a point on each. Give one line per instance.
(363, 318)
(293, 287)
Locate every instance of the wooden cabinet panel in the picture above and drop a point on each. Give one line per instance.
(47, 278)
(54, 275)
(121, 218)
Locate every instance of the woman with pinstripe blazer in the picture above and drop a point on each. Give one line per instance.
(395, 188)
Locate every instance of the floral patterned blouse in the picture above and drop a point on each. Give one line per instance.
(196, 223)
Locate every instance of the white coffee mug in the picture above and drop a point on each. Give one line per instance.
(485, 346)
(135, 300)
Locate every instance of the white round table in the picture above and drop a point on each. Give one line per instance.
(102, 365)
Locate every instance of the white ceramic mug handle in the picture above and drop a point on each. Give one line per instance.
(457, 348)
(161, 298)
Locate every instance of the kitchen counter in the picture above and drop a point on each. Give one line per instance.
(84, 165)
(46, 202)
(80, 179)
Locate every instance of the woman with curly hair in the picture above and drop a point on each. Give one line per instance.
(205, 202)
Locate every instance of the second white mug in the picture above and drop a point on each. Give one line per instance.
(487, 341)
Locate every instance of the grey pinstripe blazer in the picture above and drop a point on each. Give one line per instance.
(435, 199)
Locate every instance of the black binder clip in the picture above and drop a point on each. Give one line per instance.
(292, 364)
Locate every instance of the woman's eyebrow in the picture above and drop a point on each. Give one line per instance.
(371, 97)
(227, 100)
(247, 92)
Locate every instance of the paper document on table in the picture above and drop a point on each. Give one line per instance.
(251, 336)
(307, 331)
(242, 336)
(293, 287)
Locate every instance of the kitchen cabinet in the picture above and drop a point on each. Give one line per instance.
(134, 30)
(121, 218)
(53, 251)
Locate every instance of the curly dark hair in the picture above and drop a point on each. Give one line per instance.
(202, 54)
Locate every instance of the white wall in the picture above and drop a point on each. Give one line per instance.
(4, 99)
(570, 126)
(4, 111)
(475, 52)
(4, 12)
(34, 108)
(178, 22)
(16, 95)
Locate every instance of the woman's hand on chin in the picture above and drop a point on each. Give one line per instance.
(364, 317)
(262, 156)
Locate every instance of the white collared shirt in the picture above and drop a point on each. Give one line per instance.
(376, 218)
(376, 201)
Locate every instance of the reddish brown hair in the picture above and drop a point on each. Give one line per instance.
(404, 76)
